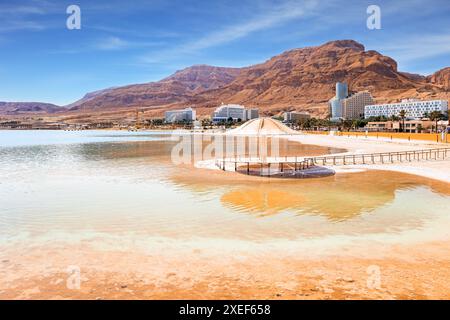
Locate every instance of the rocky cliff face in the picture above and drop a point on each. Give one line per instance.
(179, 88)
(441, 78)
(306, 77)
(299, 79)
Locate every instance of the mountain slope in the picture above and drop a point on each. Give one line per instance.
(441, 78)
(306, 78)
(178, 88)
(16, 108)
(300, 79)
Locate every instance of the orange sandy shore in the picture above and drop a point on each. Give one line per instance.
(416, 272)
(182, 269)
(410, 268)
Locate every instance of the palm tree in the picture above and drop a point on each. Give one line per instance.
(402, 116)
(436, 116)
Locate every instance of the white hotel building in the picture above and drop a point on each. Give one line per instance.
(415, 109)
(187, 114)
(235, 112)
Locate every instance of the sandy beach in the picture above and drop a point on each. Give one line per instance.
(439, 169)
(419, 271)
(136, 226)
(224, 150)
(433, 169)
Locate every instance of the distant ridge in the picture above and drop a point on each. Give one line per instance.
(16, 108)
(299, 79)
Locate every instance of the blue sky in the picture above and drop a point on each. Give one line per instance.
(137, 41)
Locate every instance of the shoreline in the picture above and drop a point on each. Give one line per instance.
(217, 235)
(432, 169)
(406, 272)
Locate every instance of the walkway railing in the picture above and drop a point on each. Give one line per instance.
(278, 167)
(382, 158)
(294, 166)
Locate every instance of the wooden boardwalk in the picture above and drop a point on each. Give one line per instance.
(297, 166)
(383, 158)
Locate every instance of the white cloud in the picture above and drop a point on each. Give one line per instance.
(116, 43)
(279, 15)
(419, 47)
(272, 17)
(415, 53)
(17, 25)
(17, 17)
(112, 43)
(21, 10)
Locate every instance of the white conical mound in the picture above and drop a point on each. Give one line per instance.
(263, 126)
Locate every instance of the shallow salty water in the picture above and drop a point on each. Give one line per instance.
(115, 188)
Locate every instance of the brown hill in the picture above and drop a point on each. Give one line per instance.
(16, 108)
(305, 78)
(441, 78)
(178, 88)
(299, 79)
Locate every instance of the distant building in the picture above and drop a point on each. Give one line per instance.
(336, 102)
(411, 126)
(234, 111)
(251, 114)
(379, 126)
(227, 111)
(353, 106)
(348, 107)
(341, 90)
(15, 125)
(187, 115)
(293, 116)
(197, 125)
(415, 109)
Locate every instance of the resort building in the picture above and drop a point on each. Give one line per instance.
(225, 112)
(336, 102)
(415, 109)
(348, 107)
(293, 116)
(414, 126)
(411, 126)
(380, 126)
(16, 125)
(353, 106)
(235, 112)
(251, 114)
(187, 115)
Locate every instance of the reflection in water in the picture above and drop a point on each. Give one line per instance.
(338, 198)
(127, 187)
(263, 201)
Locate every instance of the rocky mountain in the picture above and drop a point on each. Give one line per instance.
(16, 108)
(441, 78)
(305, 78)
(88, 97)
(180, 87)
(299, 79)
